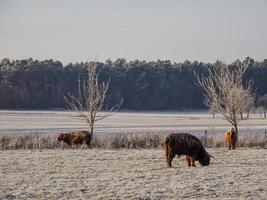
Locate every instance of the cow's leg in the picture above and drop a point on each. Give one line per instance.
(188, 159)
(169, 158)
(233, 145)
(193, 161)
(230, 145)
(71, 145)
(85, 145)
(88, 142)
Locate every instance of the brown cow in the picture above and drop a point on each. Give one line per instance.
(231, 138)
(186, 144)
(76, 137)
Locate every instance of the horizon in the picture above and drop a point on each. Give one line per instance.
(147, 61)
(145, 30)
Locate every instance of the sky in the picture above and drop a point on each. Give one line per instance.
(96, 30)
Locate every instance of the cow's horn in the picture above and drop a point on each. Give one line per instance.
(211, 156)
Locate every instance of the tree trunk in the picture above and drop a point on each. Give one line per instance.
(241, 114)
(264, 114)
(248, 114)
(91, 136)
(92, 130)
(235, 139)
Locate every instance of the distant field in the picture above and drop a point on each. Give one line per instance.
(49, 122)
(130, 174)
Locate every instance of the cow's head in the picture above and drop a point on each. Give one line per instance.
(205, 161)
(61, 137)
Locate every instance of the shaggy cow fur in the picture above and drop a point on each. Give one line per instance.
(231, 138)
(186, 144)
(78, 137)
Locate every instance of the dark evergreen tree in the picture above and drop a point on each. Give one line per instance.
(143, 85)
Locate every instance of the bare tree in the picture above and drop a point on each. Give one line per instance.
(90, 100)
(225, 93)
(262, 105)
(250, 105)
(212, 110)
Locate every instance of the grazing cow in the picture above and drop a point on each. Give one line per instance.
(231, 138)
(186, 144)
(77, 137)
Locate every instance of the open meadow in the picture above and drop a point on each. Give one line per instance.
(127, 160)
(130, 174)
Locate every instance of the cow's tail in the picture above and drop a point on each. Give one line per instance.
(167, 146)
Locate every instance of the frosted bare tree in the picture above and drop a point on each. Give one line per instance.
(225, 92)
(250, 105)
(90, 100)
(212, 110)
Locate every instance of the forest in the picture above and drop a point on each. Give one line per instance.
(158, 85)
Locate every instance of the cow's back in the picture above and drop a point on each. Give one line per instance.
(80, 137)
(183, 143)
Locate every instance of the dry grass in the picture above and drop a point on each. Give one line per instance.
(121, 140)
(130, 174)
(247, 140)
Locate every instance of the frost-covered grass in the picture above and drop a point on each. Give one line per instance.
(124, 140)
(130, 174)
(39, 129)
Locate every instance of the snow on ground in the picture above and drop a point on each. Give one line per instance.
(130, 174)
(21, 122)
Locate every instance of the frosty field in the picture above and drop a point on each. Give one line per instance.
(49, 122)
(130, 174)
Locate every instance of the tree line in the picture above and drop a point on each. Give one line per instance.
(158, 85)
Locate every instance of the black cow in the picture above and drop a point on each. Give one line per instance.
(186, 144)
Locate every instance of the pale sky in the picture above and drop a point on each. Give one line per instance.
(177, 30)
